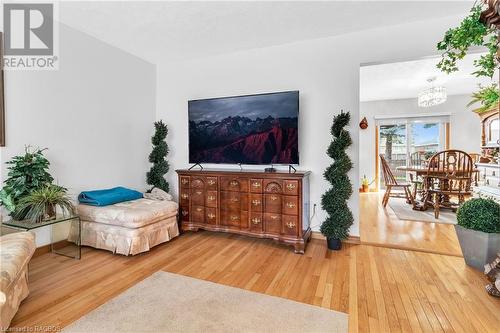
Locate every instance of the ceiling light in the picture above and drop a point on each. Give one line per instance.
(432, 96)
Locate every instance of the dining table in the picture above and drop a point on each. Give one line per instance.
(420, 171)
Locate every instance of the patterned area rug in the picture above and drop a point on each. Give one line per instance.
(166, 302)
(404, 211)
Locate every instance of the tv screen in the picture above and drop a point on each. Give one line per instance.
(255, 129)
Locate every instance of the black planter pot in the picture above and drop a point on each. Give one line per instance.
(334, 243)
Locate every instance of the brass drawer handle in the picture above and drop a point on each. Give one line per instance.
(255, 220)
(290, 187)
(211, 198)
(184, 181)
(211, 216)
(274, 198)
(290, 204)
(234, 183)
(211, 182)
(256, 184)
(255, 202)
(274, 217)
(199, 209)
(234, 218)
(184, 212)
(290, 225)
(184, 196)
(234, 199)
(199, 192)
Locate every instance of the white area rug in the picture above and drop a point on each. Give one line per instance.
(404, 211)
(166, 302)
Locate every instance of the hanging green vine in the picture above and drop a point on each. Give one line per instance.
(470, 32)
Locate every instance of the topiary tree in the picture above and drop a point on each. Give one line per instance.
(480, 214)
(334, 201)
(155, 176)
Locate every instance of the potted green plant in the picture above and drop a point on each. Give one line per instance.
(478, 231)
(26, 173)
(334, 201)
(41, 204)
(156, 175)
(365, 184)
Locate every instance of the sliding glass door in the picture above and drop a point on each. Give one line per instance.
(409, 141)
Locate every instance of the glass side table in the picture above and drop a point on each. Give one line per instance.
(66, 231)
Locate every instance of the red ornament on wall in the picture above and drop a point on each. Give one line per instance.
(363, 123)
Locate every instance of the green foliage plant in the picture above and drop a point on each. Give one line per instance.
(480, 214)
(488, 97)
(471, 32)
(41, 203)
(156, 175)
(334, 200)
(26, 173)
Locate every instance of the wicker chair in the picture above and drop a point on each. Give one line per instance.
(449, 174)
(391, 182)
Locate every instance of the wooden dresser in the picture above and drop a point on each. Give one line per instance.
(258, 204)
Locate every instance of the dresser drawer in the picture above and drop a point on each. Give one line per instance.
(233, 200)
(198, 214)
(272, 203)
(256, 222)
(211, 215)
(290, 205)
(197, 182)
(184, 181)
(256, 185)
(233, 218)
(234, 184)
(211, 183)
(256, 203)
(291, 187)
(290, 225)
(273, 186)
(184, 213)
(211, 199)
(272, 223)
(184, 197)
(197, 197)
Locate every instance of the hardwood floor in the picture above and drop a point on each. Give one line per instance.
(382, 289)
(380, 226)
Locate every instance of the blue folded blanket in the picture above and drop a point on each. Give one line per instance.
(108, 196)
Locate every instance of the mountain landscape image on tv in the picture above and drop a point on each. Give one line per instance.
(256, 129)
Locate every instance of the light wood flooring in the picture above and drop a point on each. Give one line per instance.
(380, 226)
(382, 289)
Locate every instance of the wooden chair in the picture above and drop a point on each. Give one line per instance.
(417, 159)
(449, 174)
(391, 182)
(476, 158)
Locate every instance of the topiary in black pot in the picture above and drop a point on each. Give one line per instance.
(478, 231)
(334, 201)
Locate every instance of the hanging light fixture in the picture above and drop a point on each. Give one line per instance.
(432, 96)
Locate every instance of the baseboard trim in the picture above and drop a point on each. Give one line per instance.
(350, 239)
(46, 248)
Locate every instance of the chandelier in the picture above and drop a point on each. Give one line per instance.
(432, 96)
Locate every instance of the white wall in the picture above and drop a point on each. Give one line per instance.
(95, 114)
(326, 71)
(465, 128)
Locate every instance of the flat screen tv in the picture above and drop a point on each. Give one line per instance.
(253, 129)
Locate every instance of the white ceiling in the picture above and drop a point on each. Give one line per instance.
(165, 31)
(406, 79)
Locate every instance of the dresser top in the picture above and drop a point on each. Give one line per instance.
(245, 172)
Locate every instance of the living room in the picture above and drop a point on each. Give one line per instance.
(271, 236)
